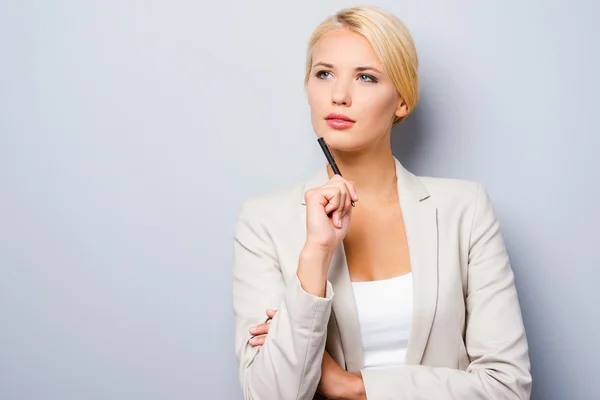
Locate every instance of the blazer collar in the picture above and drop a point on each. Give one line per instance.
(408, 183)
(420, 219)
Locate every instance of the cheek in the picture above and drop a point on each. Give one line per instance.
(378, 106)
(318, 107)
(384, 104)
(316, 100)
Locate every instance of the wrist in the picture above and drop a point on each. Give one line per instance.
(317, 255)
(313, 266)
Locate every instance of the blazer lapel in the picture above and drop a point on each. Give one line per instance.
(344, 308)
(420, 220)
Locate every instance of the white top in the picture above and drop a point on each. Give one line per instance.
(385, 313)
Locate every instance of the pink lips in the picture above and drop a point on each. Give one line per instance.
(339, 121)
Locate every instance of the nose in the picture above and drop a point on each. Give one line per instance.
(341, 95)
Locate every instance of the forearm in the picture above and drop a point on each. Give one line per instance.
(436, 383)
(356, 387)
(313, 265)
(288, 364)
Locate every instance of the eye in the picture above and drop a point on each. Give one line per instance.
(367, 78)
(322, 74)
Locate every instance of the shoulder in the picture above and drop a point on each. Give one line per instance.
(454, 195)
(449, 191)
(443, 192)
(274, 204)
(459, 197)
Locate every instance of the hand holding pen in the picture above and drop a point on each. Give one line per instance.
(331, 160)
(329, 208)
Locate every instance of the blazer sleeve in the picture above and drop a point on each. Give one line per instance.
(288, 366)
(495, 336)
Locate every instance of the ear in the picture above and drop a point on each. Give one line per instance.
(402, 109)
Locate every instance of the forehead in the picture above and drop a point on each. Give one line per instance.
(345, 48)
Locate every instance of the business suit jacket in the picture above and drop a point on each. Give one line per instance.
(467, 339)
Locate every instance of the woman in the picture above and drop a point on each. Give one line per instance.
(408, 295)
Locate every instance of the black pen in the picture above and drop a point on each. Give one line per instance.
(331, 160)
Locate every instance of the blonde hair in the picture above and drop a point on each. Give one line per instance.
(391, 41)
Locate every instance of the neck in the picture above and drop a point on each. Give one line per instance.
(372, 170)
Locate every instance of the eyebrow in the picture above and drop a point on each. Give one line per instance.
(358, 69)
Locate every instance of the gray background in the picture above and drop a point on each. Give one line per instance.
(131, 131)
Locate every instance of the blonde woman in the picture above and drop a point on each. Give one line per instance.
(408, 295)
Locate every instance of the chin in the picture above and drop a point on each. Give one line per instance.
(343, 139)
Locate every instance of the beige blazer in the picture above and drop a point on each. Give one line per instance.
(467, 339)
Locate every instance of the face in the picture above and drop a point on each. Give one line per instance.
(347, 78)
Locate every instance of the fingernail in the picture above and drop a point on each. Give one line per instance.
(252, 340)
(253, 330)
(340, 222)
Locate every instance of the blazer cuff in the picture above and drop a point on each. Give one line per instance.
(307, 309)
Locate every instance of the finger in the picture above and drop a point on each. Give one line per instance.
(346, 218)
(260, 329)
(348, 204)
(271, 313)
(344, 207)
(338, 204)
(352, 190)
(345, 186)
(350, 186)
(336, 178)
(338, 201)
(336, 181)
(333, 195)
(257, 340)
(339, 212)
(322, 194)
(338, 185)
